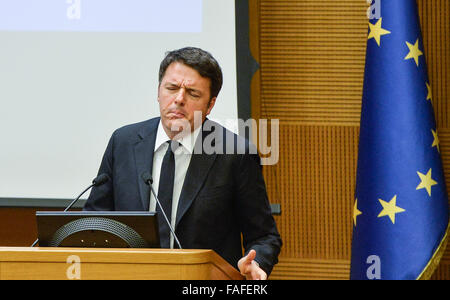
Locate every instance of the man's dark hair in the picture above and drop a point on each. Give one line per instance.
(200, 60)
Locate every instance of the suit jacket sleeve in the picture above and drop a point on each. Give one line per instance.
(256, 221)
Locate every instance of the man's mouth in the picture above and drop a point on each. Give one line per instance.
(176, 114)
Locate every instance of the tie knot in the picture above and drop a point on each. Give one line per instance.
(173, 145)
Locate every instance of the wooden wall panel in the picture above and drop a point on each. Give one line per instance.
(312, 55)
(311, 269)
(314, 182)
(18, 226)
(435, 21)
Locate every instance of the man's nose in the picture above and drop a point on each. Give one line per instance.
(180, 97)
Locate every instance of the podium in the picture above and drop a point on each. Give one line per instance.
(113, 264)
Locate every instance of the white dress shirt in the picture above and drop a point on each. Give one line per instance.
(182, 159)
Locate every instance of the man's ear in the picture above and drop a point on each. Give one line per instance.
(211, 104)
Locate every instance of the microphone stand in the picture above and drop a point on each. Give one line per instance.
(149, 181)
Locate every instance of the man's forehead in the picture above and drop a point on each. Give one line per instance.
(182, 74)
(180, 80)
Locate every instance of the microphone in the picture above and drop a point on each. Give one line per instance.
(147, 177)
(99, 180)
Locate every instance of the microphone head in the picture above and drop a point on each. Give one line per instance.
(147, 177)
(100, 179)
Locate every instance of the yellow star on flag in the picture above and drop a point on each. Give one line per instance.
(390, 209)
(436, 140)
(426, 182)
(376, 31)
(356, 212)
(414, 52)
(429, 95)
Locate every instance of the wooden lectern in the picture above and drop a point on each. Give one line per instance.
(111, 264)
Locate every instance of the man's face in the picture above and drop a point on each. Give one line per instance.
(181, 93)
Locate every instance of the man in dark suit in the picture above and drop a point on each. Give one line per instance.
(208, 180)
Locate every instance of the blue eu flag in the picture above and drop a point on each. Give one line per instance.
(400, 213)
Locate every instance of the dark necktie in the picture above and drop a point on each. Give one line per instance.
(165, 194)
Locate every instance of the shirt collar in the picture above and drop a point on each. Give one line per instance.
(188, 141)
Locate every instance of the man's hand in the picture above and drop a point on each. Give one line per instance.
(250, 268)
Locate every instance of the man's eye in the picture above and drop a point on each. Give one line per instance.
(194, 93)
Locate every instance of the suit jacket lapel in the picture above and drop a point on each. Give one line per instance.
(196, 175)
(143, 151)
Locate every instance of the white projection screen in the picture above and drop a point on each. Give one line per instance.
(73, 71)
